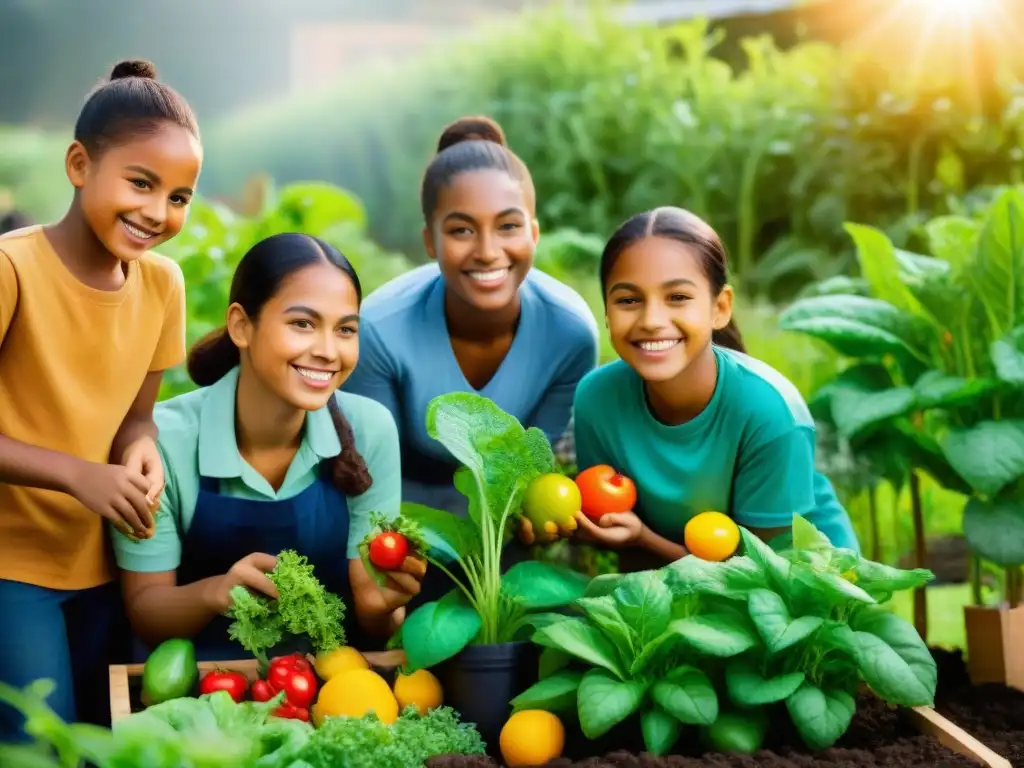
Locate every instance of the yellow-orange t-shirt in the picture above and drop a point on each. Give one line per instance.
(72, 360)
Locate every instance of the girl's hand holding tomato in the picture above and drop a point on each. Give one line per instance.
(615, 529)
(402, 583)
(604, 491)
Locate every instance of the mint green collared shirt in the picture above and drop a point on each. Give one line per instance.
(197, 437)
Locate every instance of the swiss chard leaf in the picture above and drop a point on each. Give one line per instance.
(451, 533)
(732, 578)
(492, 444)
(989, 455)
(602, 612)
(774, 565)
(995, 530)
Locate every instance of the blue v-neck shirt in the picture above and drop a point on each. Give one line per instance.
(406, 360)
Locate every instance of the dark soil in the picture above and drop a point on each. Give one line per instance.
(878, 736)
(993, 714)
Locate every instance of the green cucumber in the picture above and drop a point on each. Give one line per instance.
(170, 672)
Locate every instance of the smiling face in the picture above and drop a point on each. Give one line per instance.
(135, 195)
(305, 341)
(483, 235)
(661, 308)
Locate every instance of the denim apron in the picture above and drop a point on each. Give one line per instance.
(225, 529)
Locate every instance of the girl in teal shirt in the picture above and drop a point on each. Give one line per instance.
(694, 421)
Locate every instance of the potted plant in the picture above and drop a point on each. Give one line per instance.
(477, 635)
(937, 373)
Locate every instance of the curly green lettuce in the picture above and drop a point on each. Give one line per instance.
(304, 608)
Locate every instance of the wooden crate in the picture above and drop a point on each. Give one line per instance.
(126, 682)
(126, 679)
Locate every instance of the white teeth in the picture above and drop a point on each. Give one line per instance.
(315, 375)
(136, 231)
(490, 276)
(658, 346)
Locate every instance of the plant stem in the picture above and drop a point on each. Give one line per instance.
(920, 556)
(976, 579)
(876, 539)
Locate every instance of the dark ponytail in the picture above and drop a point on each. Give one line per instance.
(212, 357)
(257, 279)
(686, 228)
(347, 470)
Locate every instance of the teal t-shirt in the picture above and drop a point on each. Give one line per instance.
(197, 437)
(749, 453)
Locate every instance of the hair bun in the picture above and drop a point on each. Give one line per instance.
(478, 128)
(133, 68)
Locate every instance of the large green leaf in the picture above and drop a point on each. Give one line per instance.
(1008, 357)
(954, 240)
(603, 612)
(989, 455)
(998, 268)
(538, 585)
(644, 602)
(820, 717)
(660, 729)
(582, 640)
(492, 444)
(995, 530)
(687, 694)
(935, 389)
(856, 411)
(774, 623)
(452, 534)
(604, 701)
(748, 687)
(859, 327)
(438, 630)
(879, 265)
(556, 693)
(731, 578)
(716, 634)
(893, 658)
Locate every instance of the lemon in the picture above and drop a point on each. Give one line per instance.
(420, 689)
(551, 502)
(531, 737)
(355, 693)
(329, 664)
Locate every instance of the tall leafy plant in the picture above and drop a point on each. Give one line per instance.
(936, 368)
(499, 459)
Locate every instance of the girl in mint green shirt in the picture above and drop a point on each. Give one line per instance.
(267, 456)
(693, 420)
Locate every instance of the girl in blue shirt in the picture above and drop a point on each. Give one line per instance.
(694, 421)
(479, 318)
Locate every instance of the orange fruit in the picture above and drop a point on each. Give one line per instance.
(711, 536)
(531, 737)
(420, 689)
(329, 664)
(355, 693)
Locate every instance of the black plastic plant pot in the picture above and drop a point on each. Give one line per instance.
(481, 681)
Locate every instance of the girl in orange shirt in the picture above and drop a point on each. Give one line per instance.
(90, 318)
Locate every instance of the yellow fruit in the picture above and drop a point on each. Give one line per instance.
(551, 502)
(329, 664)
(711, 536)
(420, 689)
(531, 737)
(357, 692)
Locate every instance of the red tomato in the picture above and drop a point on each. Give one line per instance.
(261, 691)
(297, 680)
(603, 491)
(388, 550)
(235, 683)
